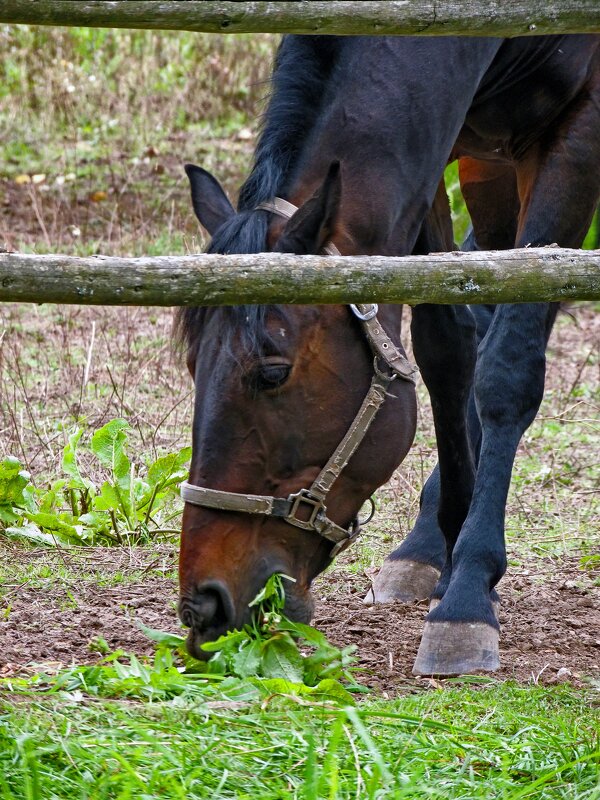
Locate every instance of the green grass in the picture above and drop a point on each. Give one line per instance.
(498, 741)
(57, 571)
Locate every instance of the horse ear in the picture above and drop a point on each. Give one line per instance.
(210, 202)
(312, 225)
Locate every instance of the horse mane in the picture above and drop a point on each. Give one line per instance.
(302, 68)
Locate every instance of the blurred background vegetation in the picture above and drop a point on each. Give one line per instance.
(95, 125)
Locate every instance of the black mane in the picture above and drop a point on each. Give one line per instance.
(303, 65)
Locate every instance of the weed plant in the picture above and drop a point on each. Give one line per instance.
(125, 509)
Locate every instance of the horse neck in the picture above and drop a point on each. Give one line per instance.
(390, 113)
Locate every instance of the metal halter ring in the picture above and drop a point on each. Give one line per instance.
(367, 314)
(362, 522)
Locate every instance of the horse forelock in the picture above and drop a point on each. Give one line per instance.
(243, 330)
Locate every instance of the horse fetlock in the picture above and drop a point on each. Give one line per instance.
(494, 600)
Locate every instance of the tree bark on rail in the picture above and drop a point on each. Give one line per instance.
(514, 276)
(426, 17)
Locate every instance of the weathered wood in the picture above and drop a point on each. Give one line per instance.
(428, 17)
(536, 274)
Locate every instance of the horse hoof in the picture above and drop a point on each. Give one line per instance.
(457, 648)
(435, 601)
(402, 580)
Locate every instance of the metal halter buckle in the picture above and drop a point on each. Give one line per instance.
(367, 315)
(339, 547)
(304, 497)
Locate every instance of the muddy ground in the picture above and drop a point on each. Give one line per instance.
(550, 622)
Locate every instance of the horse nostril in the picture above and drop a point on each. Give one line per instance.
(211, 607)
(198, 613)
(186, 616)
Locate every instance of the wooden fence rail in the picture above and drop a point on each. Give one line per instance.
(424, 17)
(527, 275)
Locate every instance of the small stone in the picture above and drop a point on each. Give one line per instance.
(563, 674)
(585, 602)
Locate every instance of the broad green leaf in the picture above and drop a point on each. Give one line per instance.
(305, 632)
(108, 499)
(332, 690)
(69, 462)
(270, 686)
(8, 516)
(326, 690)
(13, 480)
(228, 641)
(34, 534)
(95, 520)
(108, 445)
(49, 499)
(112, 498)
(169, 469)
(162, 637)
(54, 524)
(217, 665)
(246, 661)
(281, 659)
(240, 690)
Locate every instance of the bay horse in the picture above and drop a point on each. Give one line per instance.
(356, 136)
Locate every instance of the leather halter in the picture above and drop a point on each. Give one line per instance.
(306, 509)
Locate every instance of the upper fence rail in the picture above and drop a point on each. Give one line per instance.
(345, 17)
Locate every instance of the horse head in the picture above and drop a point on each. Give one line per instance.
(277, 390)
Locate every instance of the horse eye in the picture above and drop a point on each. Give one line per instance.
(269, 376)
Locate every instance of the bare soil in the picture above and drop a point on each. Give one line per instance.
(550, 614)
(550, 622)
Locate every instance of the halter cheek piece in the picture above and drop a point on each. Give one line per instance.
(306, 509)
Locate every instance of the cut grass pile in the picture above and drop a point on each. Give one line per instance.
(497, 741)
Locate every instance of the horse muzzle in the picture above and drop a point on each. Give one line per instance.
(210, 612)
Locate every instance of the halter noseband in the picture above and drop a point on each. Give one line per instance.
(306, 509)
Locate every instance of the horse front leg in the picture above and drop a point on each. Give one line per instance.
(558, 190)
(461, 633)
(444, 350)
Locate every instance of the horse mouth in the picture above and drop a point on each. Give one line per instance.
(194, 643)
(298, 607)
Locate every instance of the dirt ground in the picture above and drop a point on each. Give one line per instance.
(64, 601)
(550, 622)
